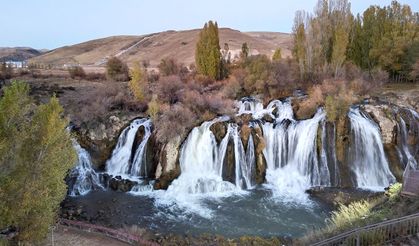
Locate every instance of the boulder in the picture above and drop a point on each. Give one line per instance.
(122, 185)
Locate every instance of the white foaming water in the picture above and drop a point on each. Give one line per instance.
(369, 162)
(249, 106)
(121, 162)
(291, 155)
(405, 156)
(86, 179)
(201, 172)
(139, 165)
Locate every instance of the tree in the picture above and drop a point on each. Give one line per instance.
(207, 53)
(35, 154)
(277, 55)
(117, 70)
(137, 82)
(244, 52)
(6, 71)
(299, 39)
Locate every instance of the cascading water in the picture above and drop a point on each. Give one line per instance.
(367, 157)
(122, 161)
(201, 164)
(83, 176)
(291, 154)
(405, 154)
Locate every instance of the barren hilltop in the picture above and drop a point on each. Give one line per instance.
(157, 46)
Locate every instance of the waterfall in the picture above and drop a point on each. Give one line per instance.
(405, 155)
(83, 176)
(201, 166)
(249, 105)
(122, 161)
(139, 164)
(291, 155)
(244, 160)
(368, 160)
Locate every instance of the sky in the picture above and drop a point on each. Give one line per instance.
(54, 23)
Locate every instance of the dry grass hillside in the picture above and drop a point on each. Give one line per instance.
(154, 47)
(17, 53)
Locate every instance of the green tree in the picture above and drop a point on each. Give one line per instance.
(277, 55)
(35, 155)
(207, 54)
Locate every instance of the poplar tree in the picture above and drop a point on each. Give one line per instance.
(207, 54)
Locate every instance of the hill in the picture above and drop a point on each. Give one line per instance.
(17, 53)
(154, 47)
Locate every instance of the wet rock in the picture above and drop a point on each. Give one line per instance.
(122, 185)
(245, 134)
(168, 168)
(219, 129)
(229, 165)
(335, 196)
(395, 165)
(243, 119)
(268, 118)
(260, 144)
(383, 116)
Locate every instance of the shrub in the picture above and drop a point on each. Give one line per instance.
(277, 55)
(346, 215)
(117, 70)
(168, 67)
(95, 76)
(76, 72)
(6, 71)
(153, 108)
(170, 89)
(174, 120)
(98, 103)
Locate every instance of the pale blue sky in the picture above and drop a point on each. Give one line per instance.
(54, 23)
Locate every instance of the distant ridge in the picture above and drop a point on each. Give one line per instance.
(17, 53)
(154, 47)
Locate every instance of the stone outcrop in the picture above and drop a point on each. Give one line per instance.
(383, 116)
(100, 140)
(260, 144)
(168, 167)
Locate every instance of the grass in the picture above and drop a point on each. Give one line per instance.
(362, 213)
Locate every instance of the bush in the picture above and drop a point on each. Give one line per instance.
(76, 72)
(95, 76)
(117, 70)
(6, 71)
(174, 120)
(168, 67)
(97, 104)
(170, 89)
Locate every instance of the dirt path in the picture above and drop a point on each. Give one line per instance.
(73, 237)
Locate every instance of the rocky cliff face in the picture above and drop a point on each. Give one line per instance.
(163, 158)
